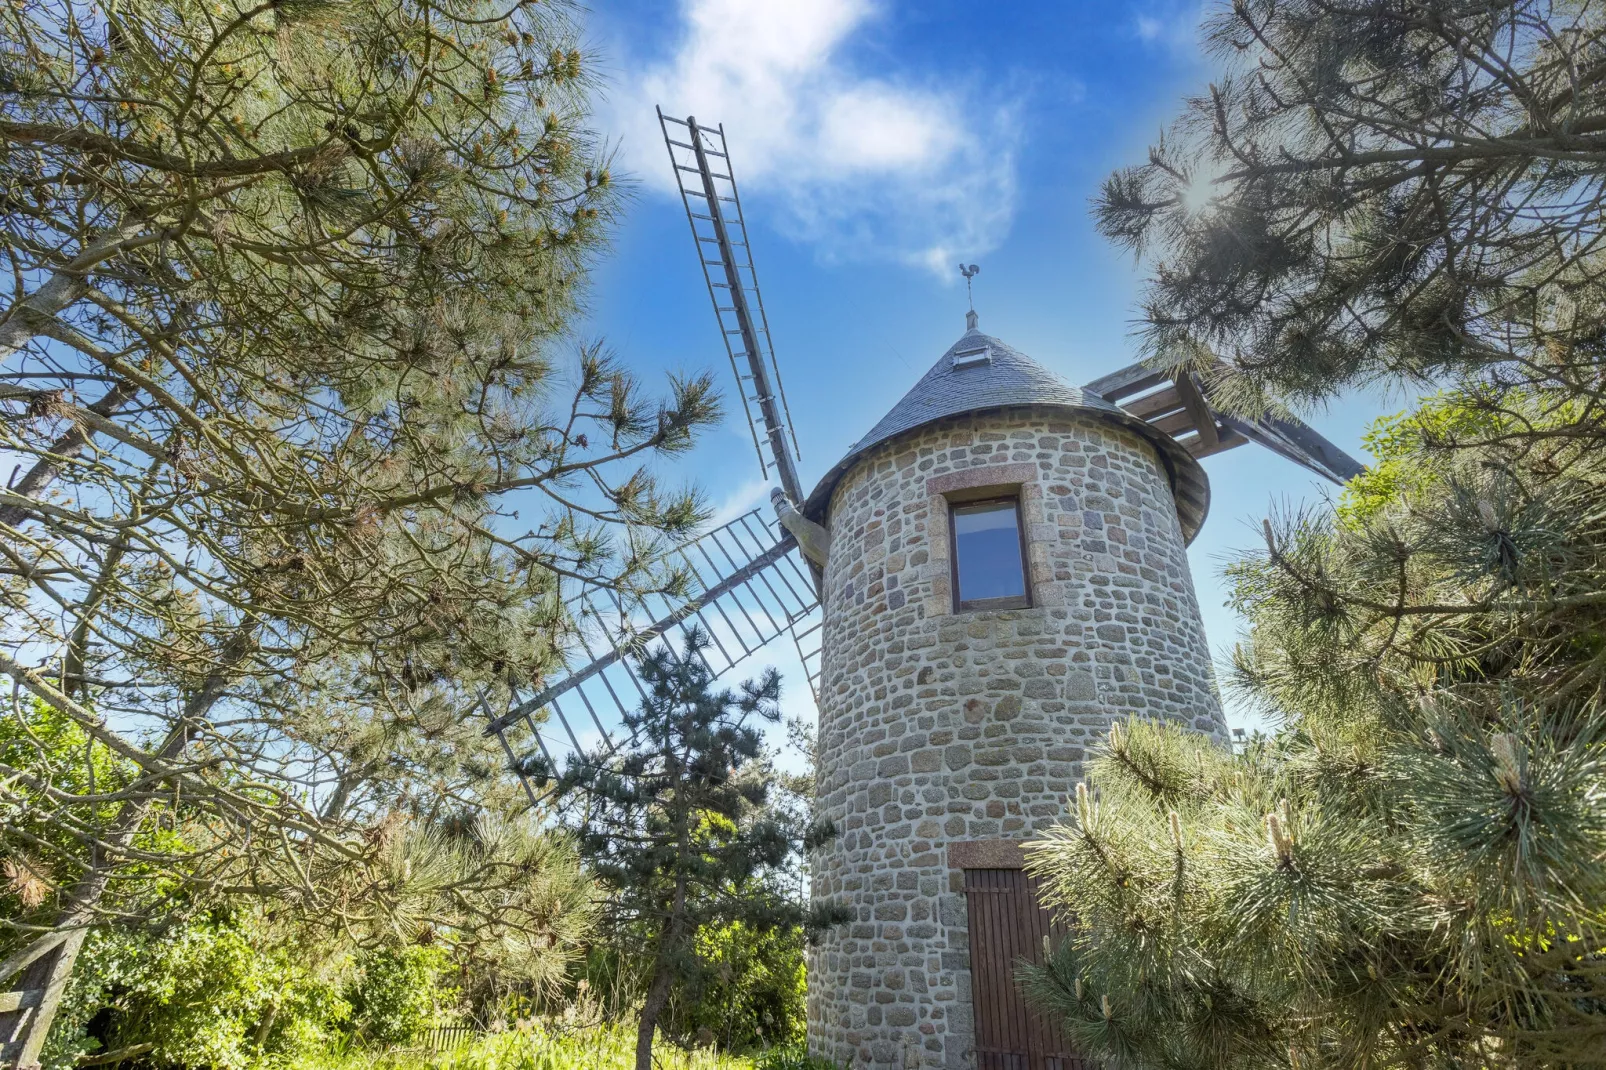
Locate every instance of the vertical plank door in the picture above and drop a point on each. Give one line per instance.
(1007, 925)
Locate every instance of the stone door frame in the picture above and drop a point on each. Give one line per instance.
(973, 868)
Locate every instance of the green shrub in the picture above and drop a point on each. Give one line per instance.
(544, 1047)
(749, 993)
(212, 991)
(395, 994)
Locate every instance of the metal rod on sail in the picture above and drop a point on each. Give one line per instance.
(647, 635)
(774, 425)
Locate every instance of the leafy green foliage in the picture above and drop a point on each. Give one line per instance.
(221, 981)
(396, 991)
(794, 1057)
(217, 990)
(37, 854)
(1402, 463)
(747, 996)
(752, 989)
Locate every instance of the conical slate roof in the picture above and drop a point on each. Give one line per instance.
(1010, 379)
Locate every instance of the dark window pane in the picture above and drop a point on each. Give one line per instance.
(987, 541)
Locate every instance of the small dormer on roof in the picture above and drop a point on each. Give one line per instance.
(979, 373)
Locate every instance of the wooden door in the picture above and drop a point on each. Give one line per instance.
(1007, 925)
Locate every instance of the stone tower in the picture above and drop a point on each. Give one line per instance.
(1006, 575)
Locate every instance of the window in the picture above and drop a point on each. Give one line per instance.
(970, 358)
(988, 554)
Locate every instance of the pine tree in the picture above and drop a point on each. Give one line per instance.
(283, 360)
(1378, 190)
(674, 829)
(1409, 872)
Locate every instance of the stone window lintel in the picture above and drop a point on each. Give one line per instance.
(983, 481)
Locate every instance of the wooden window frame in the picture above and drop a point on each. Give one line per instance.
(983, 605)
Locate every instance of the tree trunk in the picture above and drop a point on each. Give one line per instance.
(669, 942)
(663, 969)
(82, 902)
(657, 1000)
(266, 1026)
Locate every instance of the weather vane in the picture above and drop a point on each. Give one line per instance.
(969, 272)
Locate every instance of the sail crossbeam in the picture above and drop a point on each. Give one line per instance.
(749, 587)
(1179, 404)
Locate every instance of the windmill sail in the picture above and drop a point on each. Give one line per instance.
(1179, 405)
(714, 209)
(750, 588)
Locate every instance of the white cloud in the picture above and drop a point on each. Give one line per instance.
(862, 165)
(748, 496)
(1173, 25)
(875, 128)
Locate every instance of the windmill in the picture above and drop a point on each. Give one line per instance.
(752, 582)
(991, 577)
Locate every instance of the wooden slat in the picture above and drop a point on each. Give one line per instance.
(1057, 1053)
(15, 1001)
(1005, 1037)
(1204, 422)
(30, 954)
(1176, 424)
(1130, 380)
(1008, 925)
(1293, 439)
(38, 984)
(1300, 443)
(1155, 404)
(1226, 439)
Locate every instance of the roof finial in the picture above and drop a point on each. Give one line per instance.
(970, 272)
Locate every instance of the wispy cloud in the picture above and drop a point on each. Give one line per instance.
(749, 495)
(862, 165)
(1172, 25)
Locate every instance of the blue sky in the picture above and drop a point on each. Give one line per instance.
(877, 143)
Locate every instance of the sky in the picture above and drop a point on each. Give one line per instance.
(878, 144)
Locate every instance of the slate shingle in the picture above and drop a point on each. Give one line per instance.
(1011, 379)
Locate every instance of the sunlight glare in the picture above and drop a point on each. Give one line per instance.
(1200, 192)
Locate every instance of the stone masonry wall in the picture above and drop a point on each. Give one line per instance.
(937, 728)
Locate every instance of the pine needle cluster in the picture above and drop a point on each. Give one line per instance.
(1421, 889)
(1411, 872)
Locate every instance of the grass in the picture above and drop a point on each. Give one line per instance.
(540, 1047)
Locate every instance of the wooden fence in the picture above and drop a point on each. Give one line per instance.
(449, 1037)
